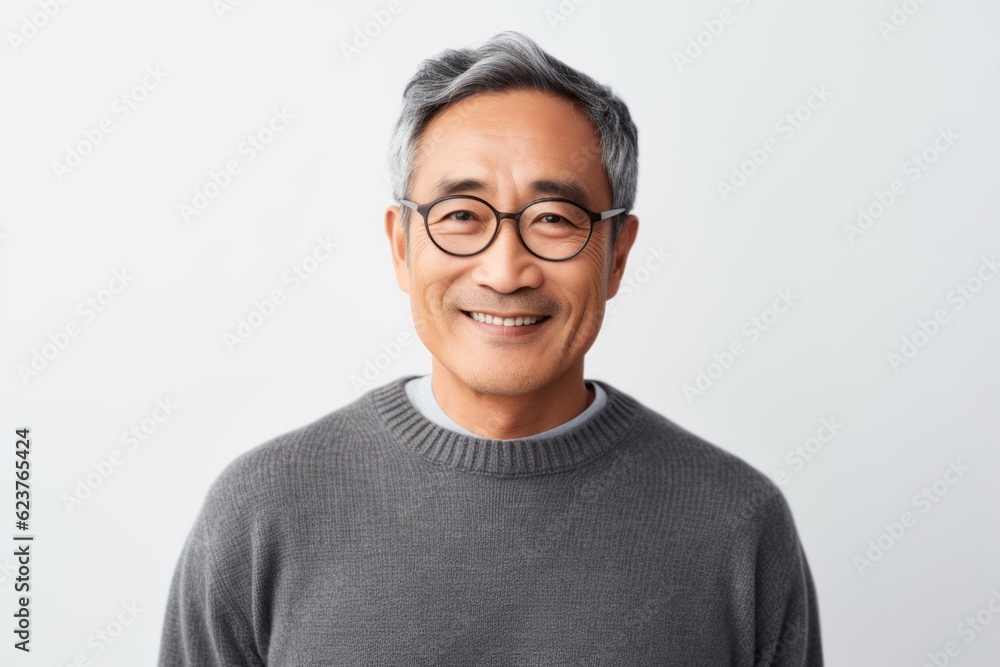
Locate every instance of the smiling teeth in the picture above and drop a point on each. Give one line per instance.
(507, 322)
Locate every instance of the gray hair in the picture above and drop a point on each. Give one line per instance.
(511, 60)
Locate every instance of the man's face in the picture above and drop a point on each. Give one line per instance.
(508, 142)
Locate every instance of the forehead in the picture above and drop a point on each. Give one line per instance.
(519, 136)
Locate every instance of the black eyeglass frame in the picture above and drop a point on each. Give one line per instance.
(424, 209)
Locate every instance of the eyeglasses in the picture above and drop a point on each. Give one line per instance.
(554, 229)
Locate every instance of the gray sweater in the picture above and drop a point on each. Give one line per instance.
(373, 536)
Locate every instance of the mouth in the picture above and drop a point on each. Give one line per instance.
(512, 320)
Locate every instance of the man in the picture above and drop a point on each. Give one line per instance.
(502, 510)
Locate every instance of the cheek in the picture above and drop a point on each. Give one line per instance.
(585, 295)
(430, 279)
(420, 246)
(426, 306)
(421, 256)
(593, 263)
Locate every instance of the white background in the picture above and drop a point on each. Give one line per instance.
(62, 237)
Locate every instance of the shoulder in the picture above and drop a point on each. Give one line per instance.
(688, 467)
(710, 494)
(265, 478)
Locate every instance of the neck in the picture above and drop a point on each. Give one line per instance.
(504, 417)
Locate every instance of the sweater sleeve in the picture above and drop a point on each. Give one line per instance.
(204, 624)
(786, 611)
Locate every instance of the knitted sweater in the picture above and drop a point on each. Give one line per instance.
(373, 536)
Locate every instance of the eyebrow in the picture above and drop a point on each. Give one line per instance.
(566, 189)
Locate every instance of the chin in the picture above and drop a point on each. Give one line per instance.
(498, 379)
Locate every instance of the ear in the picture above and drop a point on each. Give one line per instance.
(626, 237)
(397, 245)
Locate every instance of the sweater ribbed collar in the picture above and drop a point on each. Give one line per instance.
(507, 458)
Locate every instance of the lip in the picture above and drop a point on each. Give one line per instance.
(502, 331)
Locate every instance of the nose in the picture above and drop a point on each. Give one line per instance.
(506, 265)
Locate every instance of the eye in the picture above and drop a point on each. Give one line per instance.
(457, 215)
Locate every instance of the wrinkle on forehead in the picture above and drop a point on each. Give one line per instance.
(524, 134)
